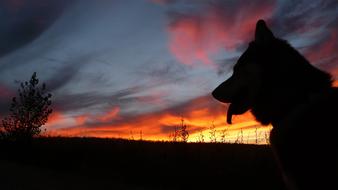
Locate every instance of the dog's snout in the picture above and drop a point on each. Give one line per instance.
(220, 94)
(226, 91)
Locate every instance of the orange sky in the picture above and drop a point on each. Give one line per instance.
(160, 126)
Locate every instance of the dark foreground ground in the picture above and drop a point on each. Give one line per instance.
(89, 163)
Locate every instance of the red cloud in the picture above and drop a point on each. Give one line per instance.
(54, 117)
(335, 83)
(195, 38)
(81, 119)
(112, 114)
(57, 119)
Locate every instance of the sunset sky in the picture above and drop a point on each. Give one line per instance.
(118, 67)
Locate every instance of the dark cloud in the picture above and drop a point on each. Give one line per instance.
(78, 101)
(163, 2)
(163, 71)
(23, 21)
(225, 65)
(314, 21)
(70, 102)
(303, 16)
(68, 71)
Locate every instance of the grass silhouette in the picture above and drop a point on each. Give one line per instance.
(93, 163)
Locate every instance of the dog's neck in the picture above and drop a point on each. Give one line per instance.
(312, 101)
(273, 110)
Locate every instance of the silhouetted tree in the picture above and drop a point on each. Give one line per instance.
(28, 112)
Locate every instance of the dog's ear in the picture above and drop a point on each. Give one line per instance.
(263, 34)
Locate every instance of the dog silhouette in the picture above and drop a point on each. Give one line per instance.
(280, 87)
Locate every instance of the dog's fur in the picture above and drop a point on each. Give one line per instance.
(282, 88)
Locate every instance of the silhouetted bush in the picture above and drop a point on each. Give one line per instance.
(184, 132)
(28, 112)
(212, 131)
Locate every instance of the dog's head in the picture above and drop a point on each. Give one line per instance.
(269, 78)
(243, 86)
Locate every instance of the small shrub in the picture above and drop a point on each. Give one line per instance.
(201, 137)
(28, 112)
(183, 131)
